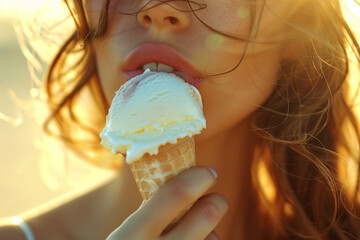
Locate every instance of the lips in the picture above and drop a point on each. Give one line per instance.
(161, 53)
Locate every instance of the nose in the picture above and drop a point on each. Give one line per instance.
(163, 15)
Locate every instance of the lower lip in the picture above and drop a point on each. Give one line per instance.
(196, 82)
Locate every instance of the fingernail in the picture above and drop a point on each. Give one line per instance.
(143, 203)
(213, 172)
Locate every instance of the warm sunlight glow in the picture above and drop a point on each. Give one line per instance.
(21, 8)
(30, 158)
(265, 183)
(349, 176)
(354, 10)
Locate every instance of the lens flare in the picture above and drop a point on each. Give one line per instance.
(243, 12)
(214, 41)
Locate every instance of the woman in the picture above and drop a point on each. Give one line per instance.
(273, 76)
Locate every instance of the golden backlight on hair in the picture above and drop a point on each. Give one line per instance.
(348, 166)
(266, 184)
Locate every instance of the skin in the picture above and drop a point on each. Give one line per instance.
(229, 101)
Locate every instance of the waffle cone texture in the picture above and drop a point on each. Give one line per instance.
(152, 171)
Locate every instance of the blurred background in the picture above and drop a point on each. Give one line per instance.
(29, 177)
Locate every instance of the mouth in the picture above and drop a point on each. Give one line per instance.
(160, 58)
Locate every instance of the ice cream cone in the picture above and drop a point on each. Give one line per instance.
(152, 171)
(147, 114)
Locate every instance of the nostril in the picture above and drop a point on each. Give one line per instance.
(147, 19)
(172, 20)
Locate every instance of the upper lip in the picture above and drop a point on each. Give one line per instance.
(160, 53)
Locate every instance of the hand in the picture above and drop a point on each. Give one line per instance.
(189, 187)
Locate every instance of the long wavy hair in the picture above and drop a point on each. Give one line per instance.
(307, 131)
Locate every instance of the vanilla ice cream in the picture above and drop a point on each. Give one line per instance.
(150, 110)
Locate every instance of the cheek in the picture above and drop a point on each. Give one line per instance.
(108, 68)
(110, 51)
(229, 16)
(232, 98)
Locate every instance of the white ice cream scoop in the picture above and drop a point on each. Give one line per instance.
(150, 110)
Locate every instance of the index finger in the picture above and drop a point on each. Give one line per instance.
(171, 199)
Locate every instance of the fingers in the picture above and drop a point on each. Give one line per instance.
(205, 215)
(175, 196)
(171, 199)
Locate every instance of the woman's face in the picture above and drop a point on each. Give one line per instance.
(134, 40)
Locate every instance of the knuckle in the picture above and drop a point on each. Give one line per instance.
(179, 190)
(209, 211)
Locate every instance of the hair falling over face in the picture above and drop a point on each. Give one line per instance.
(303, 129)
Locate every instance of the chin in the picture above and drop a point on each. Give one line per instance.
(207, 134)
(224, 129)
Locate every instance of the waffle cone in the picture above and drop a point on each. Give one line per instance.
(152, 171)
